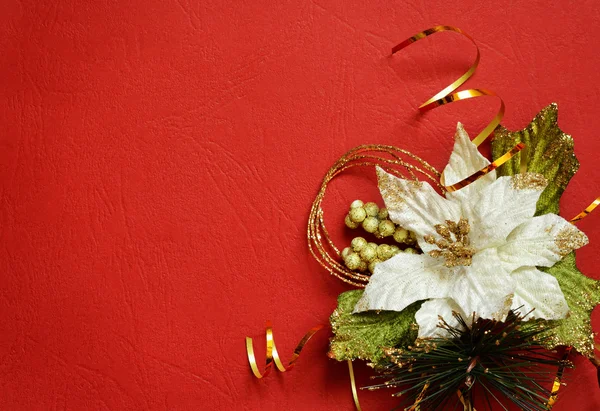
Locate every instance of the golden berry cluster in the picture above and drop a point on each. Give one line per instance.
(363, 255)
(375, 220)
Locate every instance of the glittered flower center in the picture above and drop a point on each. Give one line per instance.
(454, 243)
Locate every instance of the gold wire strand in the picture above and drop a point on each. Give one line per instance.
(399, 162)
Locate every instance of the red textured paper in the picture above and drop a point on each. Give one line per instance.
(159, 158)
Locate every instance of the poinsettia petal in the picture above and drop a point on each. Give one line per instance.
(428, 317)
(464, 161)
(541, 241)
(403, 280)
(540, 292)
(503, 205)
(485, 287)
(415, 206)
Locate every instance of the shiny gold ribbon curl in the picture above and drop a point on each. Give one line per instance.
(353, 386)
(447, 96)
(587, 211)
(272, 354)
(558, 380)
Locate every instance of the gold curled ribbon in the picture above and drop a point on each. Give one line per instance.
(494, 165)
(353, 385)
(446, 96)
(273, 355)
(585, 212)
(558, 380)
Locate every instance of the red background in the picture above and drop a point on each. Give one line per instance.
(159, 158)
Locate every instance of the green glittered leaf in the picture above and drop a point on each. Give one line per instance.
(550, 153)
(365, 335)
(582, 294)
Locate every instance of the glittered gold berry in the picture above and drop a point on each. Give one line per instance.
(368, 253)
(352, 261)
(372, 265)
(386, 228)
(410, 250)
(370, 224)
(372, 209)
(412, 237)
(395, 250)
(400, 235)
(383, 213)
(356, 204)
(357, 214)
(358, 244)
(349, 223)
(345, 252)
(384, 252)
(363, 266)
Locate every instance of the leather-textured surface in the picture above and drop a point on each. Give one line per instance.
(159, 158)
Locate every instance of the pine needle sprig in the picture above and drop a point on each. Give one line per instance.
(505, 359)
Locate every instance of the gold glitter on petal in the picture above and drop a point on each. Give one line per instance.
(528, 181)
(569, 239)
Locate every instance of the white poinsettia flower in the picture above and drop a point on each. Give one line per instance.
(481, 246)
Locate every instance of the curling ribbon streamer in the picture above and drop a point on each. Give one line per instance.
(447, 96)
(353, 385)
(477, 175)
(585, 212)
(444, 96)
(557, 380)
(273, 355)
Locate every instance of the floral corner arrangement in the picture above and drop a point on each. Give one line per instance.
(467, 290)
(477, 278)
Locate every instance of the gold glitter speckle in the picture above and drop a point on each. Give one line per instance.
(455, 250)
(392, 192)
(569, 239)
(528, 181)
